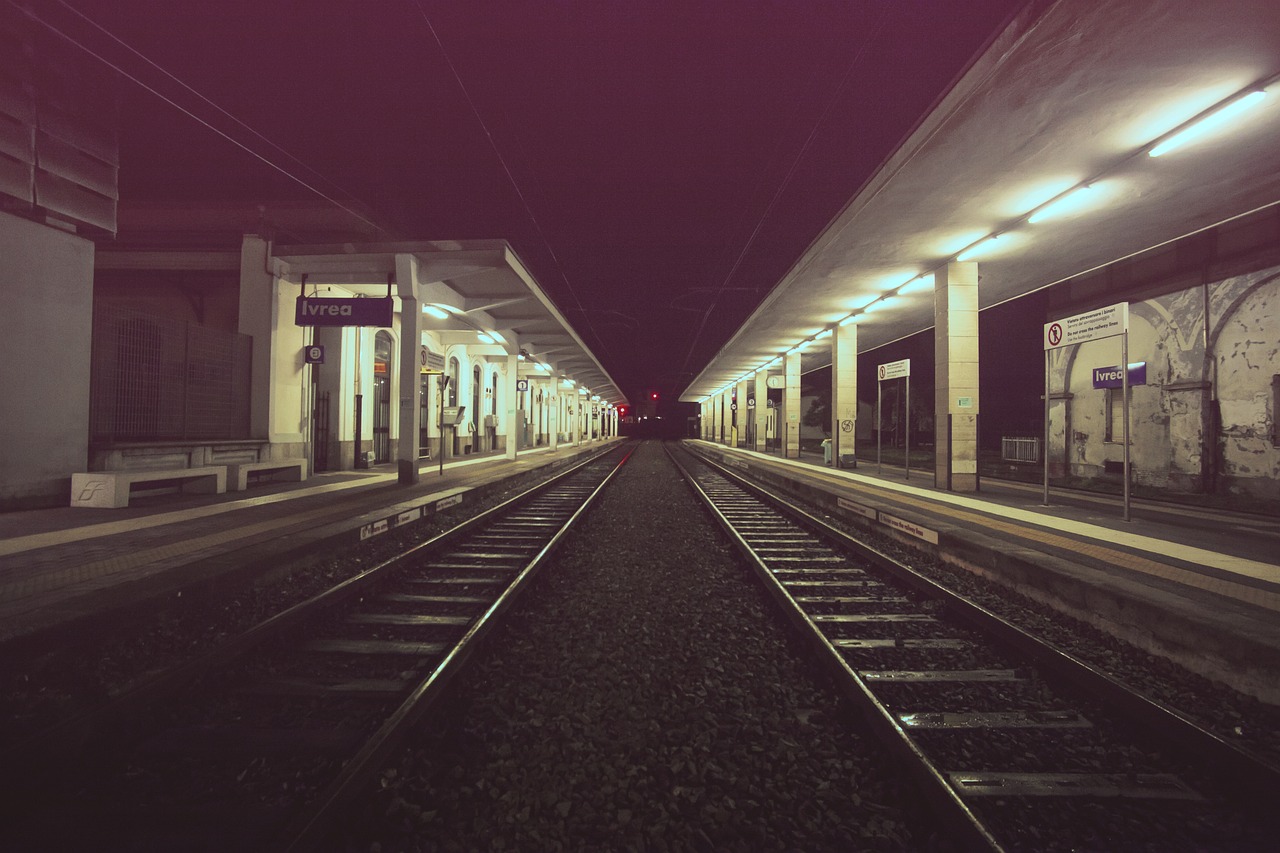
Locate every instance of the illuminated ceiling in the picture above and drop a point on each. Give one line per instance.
(468, 288)
(1074, 92)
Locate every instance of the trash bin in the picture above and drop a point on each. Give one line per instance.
(826, 451)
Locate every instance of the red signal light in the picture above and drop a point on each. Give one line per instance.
(653, 396)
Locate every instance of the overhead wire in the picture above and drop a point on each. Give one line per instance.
(510, 175)
(91, 22)
(782, 186)
(247, 149)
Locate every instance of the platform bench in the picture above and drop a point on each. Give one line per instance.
(238, 472)
(111, 488)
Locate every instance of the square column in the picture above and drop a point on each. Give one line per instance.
(578, 397)
(741, 417)
(761, 412)
(510, 398)
(790, 424)
(410, 413)
(256, 319)
(553, 412)
(844, 395)
(955, 353)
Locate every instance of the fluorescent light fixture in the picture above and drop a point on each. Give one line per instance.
(496, 338)
(1072, 202)
(852, 318)
(881, 304)
(546, 367)
(484, 338)
(917, 285)
(1212, 121)
(434, 311)
(825, 333)
(979, 248)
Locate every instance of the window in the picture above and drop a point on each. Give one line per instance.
(454, 374)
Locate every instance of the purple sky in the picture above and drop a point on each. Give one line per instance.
(659, 165)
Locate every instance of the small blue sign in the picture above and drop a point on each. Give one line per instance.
(1111, 377)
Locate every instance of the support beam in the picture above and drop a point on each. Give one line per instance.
(410, 413)
(844, 395)
(511, 425)
(741, 417)
(761, 411)
(790, 424)
(956, 376)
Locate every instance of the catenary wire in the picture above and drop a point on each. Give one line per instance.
(202, 97)
(134, 79)
(782, 186)
(510, 176)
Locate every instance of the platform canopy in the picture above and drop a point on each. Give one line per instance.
(467, 287)
(1071, 94)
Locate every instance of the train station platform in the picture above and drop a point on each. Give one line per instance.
(1199, 586)
(62, 568)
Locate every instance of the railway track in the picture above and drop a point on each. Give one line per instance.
(1016, 744)
(259, 744)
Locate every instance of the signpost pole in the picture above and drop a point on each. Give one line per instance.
(1044, 451)
(1124, 389)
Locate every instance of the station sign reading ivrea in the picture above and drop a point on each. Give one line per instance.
(894, 369)
(1111, 377)
(333, 311)
(1089, 326)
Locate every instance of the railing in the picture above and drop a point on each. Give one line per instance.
(1014, 449)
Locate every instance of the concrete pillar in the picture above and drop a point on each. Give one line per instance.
(257, 319)
(844, 395)
(553, 411)
(705, 421)
(761, 411)
(742, 416)
(790, 424)
(576, 410)
(956, 376)
(510, 425)
(410, 414)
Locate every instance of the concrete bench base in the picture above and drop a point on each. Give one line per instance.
(111, 488)
(238, 472)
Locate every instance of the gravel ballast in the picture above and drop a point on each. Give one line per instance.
(642, 695)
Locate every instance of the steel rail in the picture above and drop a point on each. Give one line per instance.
(1250, 777)
(944, 800)
(307, 831)
(48, 751)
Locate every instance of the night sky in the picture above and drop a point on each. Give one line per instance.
(658, 165)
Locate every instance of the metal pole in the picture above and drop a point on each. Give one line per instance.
(1045, 450)
(1124, 385)
(906, 464)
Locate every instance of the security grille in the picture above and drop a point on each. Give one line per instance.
(1017, 449)
(155, 379)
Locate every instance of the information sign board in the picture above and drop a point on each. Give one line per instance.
(332, 311)
(1109, 377)
(1089, 326)
(894, 369)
